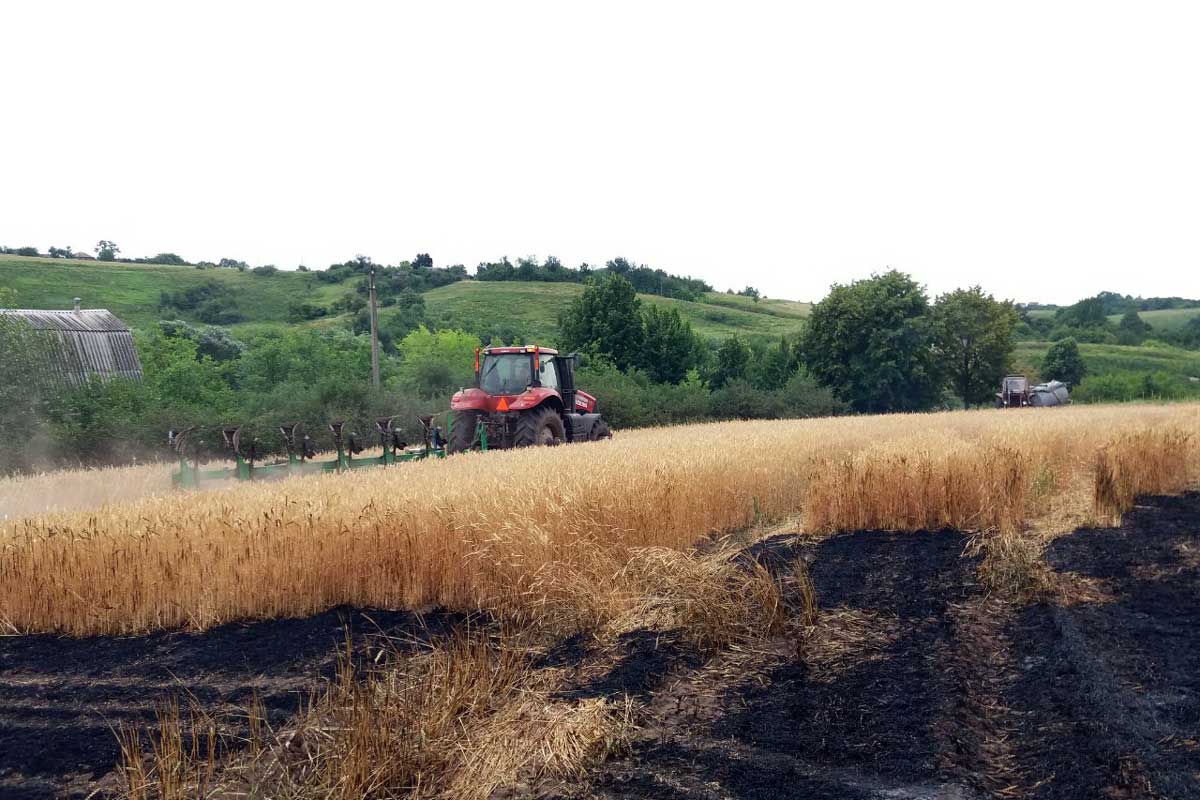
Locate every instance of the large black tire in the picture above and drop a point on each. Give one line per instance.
(541, 426)
(462, 431)
(599, 431)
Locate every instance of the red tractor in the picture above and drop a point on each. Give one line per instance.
(523, 396)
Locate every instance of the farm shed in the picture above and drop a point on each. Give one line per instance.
(74, 346)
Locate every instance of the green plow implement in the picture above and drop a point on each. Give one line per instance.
(301, 452)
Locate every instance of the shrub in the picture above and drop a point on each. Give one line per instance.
(1116, 387)
(804, 397)
(739, 399)
(1063, 362)
(167, 258)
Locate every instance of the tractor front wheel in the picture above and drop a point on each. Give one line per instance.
(541, 426)
(462, 431)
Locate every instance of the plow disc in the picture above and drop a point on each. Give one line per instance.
(301, 452)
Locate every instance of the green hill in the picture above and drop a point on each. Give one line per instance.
(132, 292)
(534, 308)
(1164, 319)
(1107, 358)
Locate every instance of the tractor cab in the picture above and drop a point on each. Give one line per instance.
(523, 395)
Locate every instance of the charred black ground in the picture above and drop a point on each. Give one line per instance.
(948, 694)
(1111, 688)
(913, 684)
(62, 699)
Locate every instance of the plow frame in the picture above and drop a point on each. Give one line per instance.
(299, 462)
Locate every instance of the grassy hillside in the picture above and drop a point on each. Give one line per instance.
(777, 308)
(1104, 358)
(1166, 319)
(535, 307)
(131, 291)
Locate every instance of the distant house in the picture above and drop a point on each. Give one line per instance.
(83, 256)
(78, 345)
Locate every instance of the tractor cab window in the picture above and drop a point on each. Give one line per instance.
(548, 373)
(505, 373)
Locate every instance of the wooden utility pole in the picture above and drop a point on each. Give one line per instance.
(374, 334)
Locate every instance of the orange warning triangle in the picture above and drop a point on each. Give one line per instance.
(502, 405)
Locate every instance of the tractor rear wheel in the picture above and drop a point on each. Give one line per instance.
(541, 426)
(462, 431)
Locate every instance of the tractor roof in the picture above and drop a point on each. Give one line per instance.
(525, 348)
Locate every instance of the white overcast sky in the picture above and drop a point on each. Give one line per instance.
(1043, 150)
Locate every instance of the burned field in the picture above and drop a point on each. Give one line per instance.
(914, 684)
(911, 680)
(63, 700)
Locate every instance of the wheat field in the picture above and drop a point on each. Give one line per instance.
(531, 530)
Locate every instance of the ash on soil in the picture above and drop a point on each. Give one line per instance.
(62, 699)
(1111, 689)
(788, 735)
(1094, 699)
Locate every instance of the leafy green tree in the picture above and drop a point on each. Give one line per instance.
(436, 364)
(106, 250)
(732, 362)
(405, 315)
(775, 367)
(870, 341)
(302, 358)
(217, 343)
(1189, 334)
(1063, 362)
(180, 378)
(804, 397)
(527, 269)
(553, 270)
(168, 258)
(1132, 329)
(1087, 313)
(606, 319)
(1132, 321)
(973, 334)
(670, 348)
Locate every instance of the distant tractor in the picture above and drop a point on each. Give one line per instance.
(523, 396)
(1015, 392)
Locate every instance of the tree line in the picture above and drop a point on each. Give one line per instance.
(876, 345)
(1088, 320)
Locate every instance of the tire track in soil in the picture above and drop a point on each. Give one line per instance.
(875, 708)
(1110, 690)
(914, 684)
(977, 726)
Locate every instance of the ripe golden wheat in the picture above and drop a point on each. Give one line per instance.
(500, 530)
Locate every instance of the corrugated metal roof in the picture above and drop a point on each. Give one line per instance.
(77, 345)
(91, 319)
